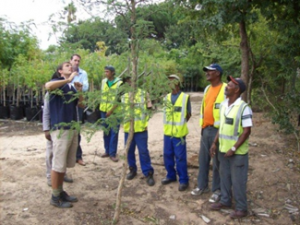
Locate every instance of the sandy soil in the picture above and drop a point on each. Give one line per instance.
(24, 195)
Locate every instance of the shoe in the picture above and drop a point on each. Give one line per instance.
(59, 203)
(67, 179)
(216, 196)
(218, 206)
(150, 180)
(105, 155)
(183, 187)
(131, 174)
(49, 182)
(67, 198)
(198, 191)
(80, 162)
(114, 159)
(167, 181)
(238, 214)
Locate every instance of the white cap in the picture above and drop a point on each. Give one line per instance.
(174, 76)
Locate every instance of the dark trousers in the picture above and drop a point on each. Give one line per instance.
(234, 175)
(175, 149)
(140, 139)
(208, 136)
(110, 136)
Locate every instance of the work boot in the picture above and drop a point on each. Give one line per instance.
(131, 174)
(59, 203)
(167, 181)
(67, 198)
(183, 187)
(150, 180)
(114, 158)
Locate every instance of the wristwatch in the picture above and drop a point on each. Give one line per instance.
(233, 149)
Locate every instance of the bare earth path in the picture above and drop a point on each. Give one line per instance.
(24, 195)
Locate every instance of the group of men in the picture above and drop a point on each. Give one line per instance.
(225, 119)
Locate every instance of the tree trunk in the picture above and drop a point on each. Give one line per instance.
(134, 55)
(245, 57)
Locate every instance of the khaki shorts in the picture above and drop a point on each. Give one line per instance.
(65, 144)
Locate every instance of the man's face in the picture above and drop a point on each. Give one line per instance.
(231, 89)
(173, 82)
(212, 75)
(75, 61)
(108, 74)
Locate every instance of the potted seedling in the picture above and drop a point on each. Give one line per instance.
(4, 109)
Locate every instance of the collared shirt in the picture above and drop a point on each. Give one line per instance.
(83, 79)
(246, 115)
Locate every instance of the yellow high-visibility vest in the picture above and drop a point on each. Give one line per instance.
(175, 123)
(139, 113)
(216, 110)
(108, 94)
(231, 129)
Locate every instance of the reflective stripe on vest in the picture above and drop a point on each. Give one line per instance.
(140, 114)
(228, 135)
(108, 94)
(183, 113)
(216, 111)
(175, 116)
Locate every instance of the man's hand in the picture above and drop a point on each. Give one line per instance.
(229, 153)
(72, 76)
(213, 149)
(47, 135)
(78, 86)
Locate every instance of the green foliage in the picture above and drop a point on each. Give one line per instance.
(87, 33)
(15, 41)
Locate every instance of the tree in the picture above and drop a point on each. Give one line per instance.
(71, 10)
(218, 17)
(16, 41)
(87, 33)
(160, 16)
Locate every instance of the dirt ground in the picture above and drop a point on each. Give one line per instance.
(273, 183)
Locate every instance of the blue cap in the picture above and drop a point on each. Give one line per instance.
(239, 82)
(213, 66)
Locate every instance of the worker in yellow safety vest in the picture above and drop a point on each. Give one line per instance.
(233, 135)
(108, 106)
(177, 111)
(140, 114)
(209, 122)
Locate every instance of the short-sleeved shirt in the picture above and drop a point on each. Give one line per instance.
(174, 98)
(246, 115)
(62, 110)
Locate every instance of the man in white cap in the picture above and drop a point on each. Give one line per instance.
(177, 112)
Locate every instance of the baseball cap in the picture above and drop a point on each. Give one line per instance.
(174, 76)
(239, 82)
(213, 66)
(110, 68)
